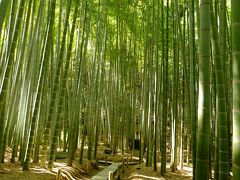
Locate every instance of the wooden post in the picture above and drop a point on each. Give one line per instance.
(88, 166)
(117, 173)
(123, 164)
(59, 175)
(106, 161)
(110, 175)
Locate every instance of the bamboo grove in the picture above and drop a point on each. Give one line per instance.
(74, 73)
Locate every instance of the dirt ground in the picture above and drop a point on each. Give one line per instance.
(140, 171)
(13, 171)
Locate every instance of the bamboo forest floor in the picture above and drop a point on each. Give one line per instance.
(141, 172)
(13, 171)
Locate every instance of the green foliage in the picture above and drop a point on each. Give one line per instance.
(94, 70)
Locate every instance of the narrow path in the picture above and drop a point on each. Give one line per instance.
(105, 172)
